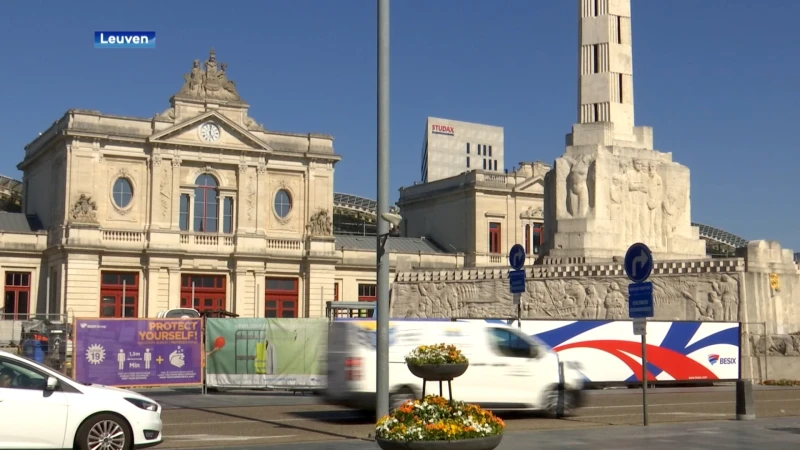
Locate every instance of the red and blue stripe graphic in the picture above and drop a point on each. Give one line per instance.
(670, 356)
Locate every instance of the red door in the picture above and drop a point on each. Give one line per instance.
(281, 297)
(494, 237)
(17, 296)
(119, 294)
(367, 293)
(209, 292)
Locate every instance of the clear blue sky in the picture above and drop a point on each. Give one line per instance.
(717, 79)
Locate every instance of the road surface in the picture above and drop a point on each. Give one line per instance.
(237, 421)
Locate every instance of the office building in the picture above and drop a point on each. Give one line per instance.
(452, 147)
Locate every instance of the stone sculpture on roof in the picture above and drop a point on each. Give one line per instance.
(209, 84)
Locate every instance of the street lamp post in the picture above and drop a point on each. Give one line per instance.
(382, 301)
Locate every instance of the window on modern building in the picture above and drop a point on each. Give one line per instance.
(119, 294)
(490, 151)
(206, 207)
(183, 218)
(596, 59)
(281, 298)
(122, 192)
(619, 30)
(336, 292)
(620, 84)
(467, 162)
(528, 239)
(203, 292)
(227, 215)
(17, 296)
(484, 163)
(468, 148)
(494, 237)
(283, 203)
(367, 293)
(596, 7)
(538, 235)
(495, 164)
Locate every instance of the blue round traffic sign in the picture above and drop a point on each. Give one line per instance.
(516, 257)
(638, 262)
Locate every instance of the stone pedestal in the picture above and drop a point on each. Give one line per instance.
(607, 193)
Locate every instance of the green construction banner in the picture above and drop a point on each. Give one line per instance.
(266, 353)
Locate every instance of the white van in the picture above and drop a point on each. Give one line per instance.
(508, 370)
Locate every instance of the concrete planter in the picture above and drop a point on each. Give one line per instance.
(484, 443)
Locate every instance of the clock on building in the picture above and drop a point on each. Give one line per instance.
(209, 132)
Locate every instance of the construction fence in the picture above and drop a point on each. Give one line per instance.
(216, 352)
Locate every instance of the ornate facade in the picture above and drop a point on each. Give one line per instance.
(198, 206)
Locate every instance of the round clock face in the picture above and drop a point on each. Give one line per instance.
(209, 132)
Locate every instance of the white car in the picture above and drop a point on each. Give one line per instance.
(42, 409)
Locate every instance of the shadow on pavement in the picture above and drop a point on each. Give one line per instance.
(280, 425)
(343, 417)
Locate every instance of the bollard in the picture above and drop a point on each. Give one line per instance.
(745, 402)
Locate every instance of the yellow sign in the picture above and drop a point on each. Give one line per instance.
(775, 281)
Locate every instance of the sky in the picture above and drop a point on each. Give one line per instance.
(716, 79)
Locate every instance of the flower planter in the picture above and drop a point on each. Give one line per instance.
(438, 372)
(484, 443)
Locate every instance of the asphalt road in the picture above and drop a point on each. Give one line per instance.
(247, 420)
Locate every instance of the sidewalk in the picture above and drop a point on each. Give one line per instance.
(762, 434)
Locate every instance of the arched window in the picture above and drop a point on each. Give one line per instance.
(206, 209)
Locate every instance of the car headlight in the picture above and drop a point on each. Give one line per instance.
(148, 406)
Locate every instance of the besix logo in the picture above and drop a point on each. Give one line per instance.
(124, 39)
(714, 359)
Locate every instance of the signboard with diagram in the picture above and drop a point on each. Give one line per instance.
(138, 352)
(266, 353)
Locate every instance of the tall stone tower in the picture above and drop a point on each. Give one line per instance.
(611, 188)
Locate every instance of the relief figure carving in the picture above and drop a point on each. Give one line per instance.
(654, 199)
(592, 305)
(728, 291)
(620, 198)
(577, 187)
(84, 210)
(638, 215)
(320, 224)
(591, 298)
(615, 303)
(165, 192)
(251, 198)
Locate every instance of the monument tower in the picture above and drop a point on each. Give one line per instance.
(611, 188)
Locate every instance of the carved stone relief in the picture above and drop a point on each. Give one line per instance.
(577, 185)
(773, 345)
(686, 297)
(320, 224)
(155, 161)
(165, 192)
(209, 84)
(251, 198)
(532, 213)
(176, 162)
(84, 210)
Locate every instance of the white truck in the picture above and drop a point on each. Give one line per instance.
(508, 370)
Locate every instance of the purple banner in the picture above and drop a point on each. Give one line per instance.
(138, 352)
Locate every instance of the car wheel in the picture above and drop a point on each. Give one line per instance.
(104, 432)
(403, 395)
(558, 403)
